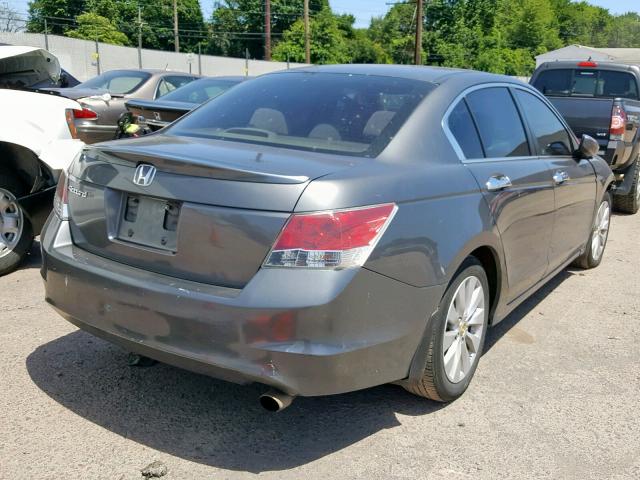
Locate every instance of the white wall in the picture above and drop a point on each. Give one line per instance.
(78, 57)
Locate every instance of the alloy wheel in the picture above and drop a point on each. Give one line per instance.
(600, 231)
(463, 329)
(11, 222)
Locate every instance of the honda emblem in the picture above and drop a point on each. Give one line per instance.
(144, 175)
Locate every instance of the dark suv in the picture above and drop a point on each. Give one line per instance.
(601, 100)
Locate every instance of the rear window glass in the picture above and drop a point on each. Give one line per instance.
(498, 122)
(326, 112)
(587, 82)
(200, 91)
(117, 81)
(464, 131)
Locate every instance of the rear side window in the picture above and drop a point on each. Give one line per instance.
(587, 82)
(169, 84)
(551, 136)
(499, 124)
(464, 131)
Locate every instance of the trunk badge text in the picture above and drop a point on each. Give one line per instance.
(144, 175)
(77, 192)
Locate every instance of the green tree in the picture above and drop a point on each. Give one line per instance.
(237, 25)
(394, 32)
(625, 31)
(61, 14)
(157, 17)
(327, 39)
(95, 27)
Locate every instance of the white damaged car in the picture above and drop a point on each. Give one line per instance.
(37, 141)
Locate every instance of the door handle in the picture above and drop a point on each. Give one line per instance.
(498, 182)
(560, 177)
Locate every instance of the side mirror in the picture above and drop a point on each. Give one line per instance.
(588, 147)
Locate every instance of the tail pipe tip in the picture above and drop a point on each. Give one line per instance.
(275, 401)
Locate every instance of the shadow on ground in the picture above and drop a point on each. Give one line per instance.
(33, 258)
(216, 423)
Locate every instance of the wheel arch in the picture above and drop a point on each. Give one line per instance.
(26, 166)
(486, 249)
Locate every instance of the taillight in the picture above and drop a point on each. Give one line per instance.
(84, 114)
(68, 113)
(336, 239)
(618, 123)
(61, 199)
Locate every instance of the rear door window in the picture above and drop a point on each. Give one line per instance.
(551, 136)
(587, 82)
(499, 124)
(464, 131)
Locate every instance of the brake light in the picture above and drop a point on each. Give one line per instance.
(335, 239)
(61, 198)
(68, 114)
(84, 114)
(588, 64)
(618, 123)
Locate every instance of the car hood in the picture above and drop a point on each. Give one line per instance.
(28, 65)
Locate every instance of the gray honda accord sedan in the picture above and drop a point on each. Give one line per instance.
(328, 229)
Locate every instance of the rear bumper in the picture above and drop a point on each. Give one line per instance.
(619, 155)
(304, 332)
(91, 133)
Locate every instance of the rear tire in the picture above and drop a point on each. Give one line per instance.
(598, 236)
(630, 202)
(16, 234)
(463, 327)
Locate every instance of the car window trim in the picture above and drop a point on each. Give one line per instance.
(452, 139)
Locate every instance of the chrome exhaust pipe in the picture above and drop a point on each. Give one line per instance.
(275, 401)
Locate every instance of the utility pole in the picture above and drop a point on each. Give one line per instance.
(419, 22)
(139, 37)
(307, 47)
(176, 39)
(46, 35)
(267, 29)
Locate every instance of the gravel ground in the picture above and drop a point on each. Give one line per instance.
(555, 396)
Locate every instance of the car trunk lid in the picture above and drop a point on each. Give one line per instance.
(210, 214)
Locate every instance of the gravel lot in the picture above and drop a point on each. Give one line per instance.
(555, 396)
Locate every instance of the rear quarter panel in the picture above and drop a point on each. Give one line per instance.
(442, 215)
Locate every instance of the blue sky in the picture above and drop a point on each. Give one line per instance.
(365, 9)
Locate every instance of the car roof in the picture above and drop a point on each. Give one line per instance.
(436, 75)
(152, 71)
(564, 64)
(234, 78)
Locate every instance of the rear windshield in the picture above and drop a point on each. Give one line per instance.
(118, 82)
(327, 112)
(200, 91)
(587, 82)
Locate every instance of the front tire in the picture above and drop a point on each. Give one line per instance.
(598, 236)
(16, 234)
(456, 336)
(630, 202)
